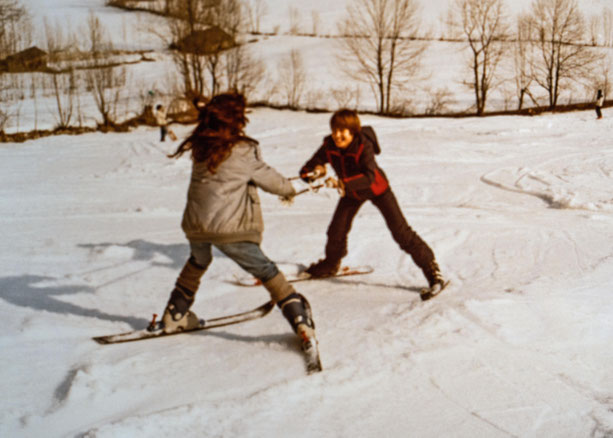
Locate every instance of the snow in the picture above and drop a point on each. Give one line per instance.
(518, 346)
(519, 212)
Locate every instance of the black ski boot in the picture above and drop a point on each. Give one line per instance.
(436, 282)
(297, 311)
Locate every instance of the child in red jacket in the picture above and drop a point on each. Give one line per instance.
(350, 150)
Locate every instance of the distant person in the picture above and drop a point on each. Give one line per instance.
(223, 210)
(599, 104)
(161, 120)
(350, 150)
(199, 102)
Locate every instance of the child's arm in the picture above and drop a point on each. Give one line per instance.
(316, 166)
(268, 179)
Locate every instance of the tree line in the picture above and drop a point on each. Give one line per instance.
(548, 47)
(551, 49)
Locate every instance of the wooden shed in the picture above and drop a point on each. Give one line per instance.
(205, 42)
(31, 59)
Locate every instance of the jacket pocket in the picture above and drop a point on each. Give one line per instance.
(379, 185)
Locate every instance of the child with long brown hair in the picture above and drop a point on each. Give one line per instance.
(223, 210)
(350, 150)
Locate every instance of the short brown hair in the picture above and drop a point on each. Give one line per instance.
(346, 119)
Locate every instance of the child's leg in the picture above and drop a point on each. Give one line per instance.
(336, 246)
(408, 240)
(176, 314)
(249, 256)
(294, 306)
(340, 225)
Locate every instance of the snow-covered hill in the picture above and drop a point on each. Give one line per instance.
(518, 210)
(444, 68)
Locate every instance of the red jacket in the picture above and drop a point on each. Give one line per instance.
(355, 165)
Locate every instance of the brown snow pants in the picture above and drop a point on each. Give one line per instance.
(408, 240)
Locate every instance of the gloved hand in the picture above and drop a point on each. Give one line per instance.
(318, 172)
(335, 183)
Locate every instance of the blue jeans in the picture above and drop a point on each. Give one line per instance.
(247, 255)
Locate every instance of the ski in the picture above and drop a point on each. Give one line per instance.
(303, 276)
(430, 292)
(311, 355)
(155, 328)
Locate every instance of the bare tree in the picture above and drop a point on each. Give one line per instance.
(521, 59)
(440, 100)
(190, 65)
(226, 15)
(104, 81)
(292, 78)
(64, 87)
(378, 46)
(484, 25)
(15, 32)
(315, 19)
(601, 28)
(450, 30)
(295, 20)
(243, 72)
(595, 25)
(345, 96)
(561, 58)
(4, 112)
(13, 16)
(607, 27)
(201, 35)
(34, 87)
(255, 9)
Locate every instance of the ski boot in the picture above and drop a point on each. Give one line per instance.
(324, 268)
(297, 311)
(435, 280)
(177, 315)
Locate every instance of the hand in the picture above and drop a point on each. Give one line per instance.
(335, 183)
(332, 182)
(287, 200)
(318, 172)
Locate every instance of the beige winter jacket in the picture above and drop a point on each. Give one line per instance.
(224, 206)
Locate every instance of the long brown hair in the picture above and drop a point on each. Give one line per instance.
(220, 127)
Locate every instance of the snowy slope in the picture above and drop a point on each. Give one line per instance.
(518, 210)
